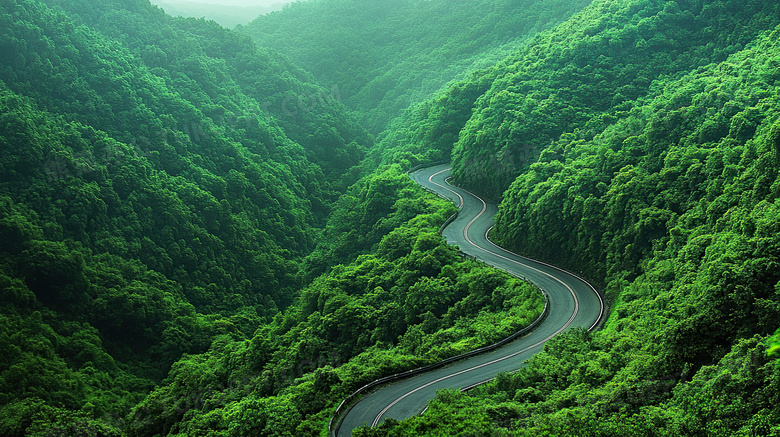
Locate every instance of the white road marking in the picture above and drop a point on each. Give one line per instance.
(466, 236)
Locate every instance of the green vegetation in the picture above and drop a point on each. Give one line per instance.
(662, 190)
(567, 391)
(774, 346)
(585, 75)
(196, 239)
(412, 302)
(182, 216)
(387, 56)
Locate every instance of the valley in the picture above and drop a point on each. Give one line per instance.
(211, 231)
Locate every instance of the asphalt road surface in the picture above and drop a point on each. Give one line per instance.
(573, 303)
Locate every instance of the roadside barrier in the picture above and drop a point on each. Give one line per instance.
(352, 399)
(335, 421)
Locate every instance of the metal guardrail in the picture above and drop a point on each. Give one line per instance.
(347, 403)
(335, 421)
(449, 220)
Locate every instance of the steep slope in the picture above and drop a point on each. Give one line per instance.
(246, 167)
(89, 319)
(412, 301)
(229, 81)
(584, 74)
(170, 194)
(677, 197)
(673, 207)
(160, 182)
(387, 56)
(145, 211)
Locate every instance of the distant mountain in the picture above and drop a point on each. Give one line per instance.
(386, 56)
(230, 14)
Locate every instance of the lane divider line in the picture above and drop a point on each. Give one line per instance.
(601, 300)
(487, 238)
(466, 236)
(497, 360)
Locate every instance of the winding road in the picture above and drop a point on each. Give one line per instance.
(573, 303)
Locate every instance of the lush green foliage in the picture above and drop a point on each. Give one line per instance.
(585, 74)
(411, 302)
(675, 199)
(146, 211)
(669, 201)
(570, 390)
(161, 185)
(144, 77)
(774, 346)
(386, 56)
(193, 241)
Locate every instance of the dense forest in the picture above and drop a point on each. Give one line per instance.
(207, 231)
(388, 56)
(651, 167)
(165, 185)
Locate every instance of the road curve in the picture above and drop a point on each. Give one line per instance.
(573, 303)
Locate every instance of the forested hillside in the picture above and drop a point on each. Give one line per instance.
(132, 141)
(229, 80)
(586, 73)
(198, 237)
(387, 56)
(148, 209)
(163, 181)
(650, 167)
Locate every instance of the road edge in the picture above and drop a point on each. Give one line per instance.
(350, 401)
